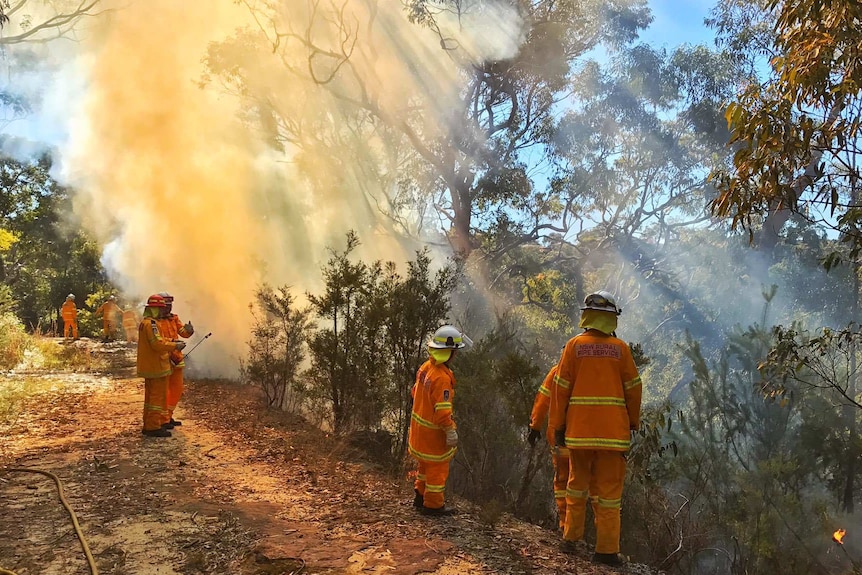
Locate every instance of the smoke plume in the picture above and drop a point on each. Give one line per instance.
(204, 184)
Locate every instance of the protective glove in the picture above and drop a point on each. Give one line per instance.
(451, 437)
(533, 437)
(180, 345)
(188, 327)
(560, 437)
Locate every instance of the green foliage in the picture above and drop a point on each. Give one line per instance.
(743, 468)
(796, 133)
(497, 382)
(41, 261)
(276, 350)
(373, 323)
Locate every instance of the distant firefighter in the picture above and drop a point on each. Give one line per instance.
(172, 328)
(111, 316)
(69, 313)
(131, 320)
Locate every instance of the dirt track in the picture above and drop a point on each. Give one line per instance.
(237, 490)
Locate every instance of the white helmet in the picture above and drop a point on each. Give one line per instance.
(71, 296)
(601, 301)
(448, 337)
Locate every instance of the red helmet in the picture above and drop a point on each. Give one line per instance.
(156, 300)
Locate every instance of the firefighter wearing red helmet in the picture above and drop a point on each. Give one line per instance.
(596, 404)
(153, 364)
(172, 328)
(433, 437)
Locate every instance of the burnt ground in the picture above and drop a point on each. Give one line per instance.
(237, 490)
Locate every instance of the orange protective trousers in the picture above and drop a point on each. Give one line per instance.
(600, 474)
(155, 402)
(70, 326)
(175, 391)
(560, 457)
(431, 482)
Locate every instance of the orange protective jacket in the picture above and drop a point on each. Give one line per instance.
(69, 311)
(597, 393)
(153, 350)
(172, 328)
(130, 319)
(432, 413)
(109, 311)
(542, 405)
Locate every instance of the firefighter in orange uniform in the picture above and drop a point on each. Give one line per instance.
(172, 328)
(596, 406)
(131, 321)
(559, 455)
(111, 314)
(433, 438)
(155, 367)
(69, 313)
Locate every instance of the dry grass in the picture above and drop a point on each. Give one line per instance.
(14, 341)
(55, 357)
(15, 391)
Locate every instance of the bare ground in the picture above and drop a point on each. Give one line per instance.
(237, 490)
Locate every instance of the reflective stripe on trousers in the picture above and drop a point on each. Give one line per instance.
(431, 482)
(598, 475)
(155, 402)
(560, 457)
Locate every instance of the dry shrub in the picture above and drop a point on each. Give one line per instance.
(14, 341)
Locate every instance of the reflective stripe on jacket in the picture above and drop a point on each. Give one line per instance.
(69, 311)
(542, 406)
(130, 319)
(109, 311)
(597, 393)
(432, 392)
(153, 350)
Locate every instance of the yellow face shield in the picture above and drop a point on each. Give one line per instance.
(440, 355)
(604, 321)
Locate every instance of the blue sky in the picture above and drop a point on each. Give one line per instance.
(678, 22)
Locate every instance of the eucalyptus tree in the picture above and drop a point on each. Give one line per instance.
(39, 22)
(795, 131)
(480, 160)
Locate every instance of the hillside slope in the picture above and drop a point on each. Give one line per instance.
(237, 490)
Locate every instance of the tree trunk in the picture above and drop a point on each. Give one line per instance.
(780, 210)
(850, 410)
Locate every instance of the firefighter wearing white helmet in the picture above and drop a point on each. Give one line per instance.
(433, 437)
(69, 313)
(595, 405)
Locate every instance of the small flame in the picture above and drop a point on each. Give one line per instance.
(838, 536)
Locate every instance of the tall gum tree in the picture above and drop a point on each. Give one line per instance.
(478, 168)
(795, 133)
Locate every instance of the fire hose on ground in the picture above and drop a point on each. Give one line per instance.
(90, 560)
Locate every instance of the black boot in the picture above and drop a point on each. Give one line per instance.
(167, 425)
(156, 433)
(175, 423)
(614, 559)
(418, 500)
